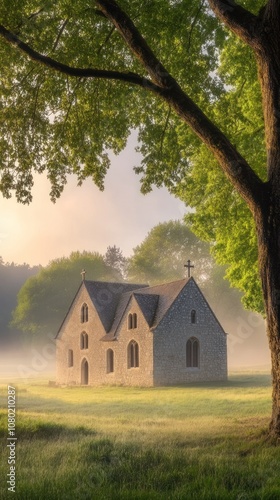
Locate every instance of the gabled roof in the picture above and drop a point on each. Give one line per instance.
(154, 303)
(111, 301)
(148, 304)
(166, 293)
(106, 298)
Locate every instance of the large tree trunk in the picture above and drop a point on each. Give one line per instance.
(268, 220)
(268, 228)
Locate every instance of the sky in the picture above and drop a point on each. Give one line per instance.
(84, 218)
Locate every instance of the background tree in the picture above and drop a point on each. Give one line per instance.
(12, 278)
(164, 252)
(115, 259)
(161, 257)
(44, 299)
(60, 108)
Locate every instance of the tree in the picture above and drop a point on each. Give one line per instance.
(112, 48)
(164, 252)
(12, 278)
(115, 259)
(44, 298)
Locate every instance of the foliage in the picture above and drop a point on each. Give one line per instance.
(115, 259)
(156, 443)
(12, 278)
(45, 298)
(61, 124)
(164, 252)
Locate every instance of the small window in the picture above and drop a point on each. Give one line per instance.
(70, 358)
(129, 322)
(84, 313)
(133, 355)
(132, 321)
(84, 340)
(193, 316)
(192, 353)
(110, 361)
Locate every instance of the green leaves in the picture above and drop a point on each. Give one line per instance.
(45, 298)
(67, 125)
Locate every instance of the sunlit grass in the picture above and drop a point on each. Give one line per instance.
(203, 441)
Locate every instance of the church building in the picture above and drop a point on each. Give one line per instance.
(131, 334)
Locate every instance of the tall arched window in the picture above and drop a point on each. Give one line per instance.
(132, 321)
(133, 354)
(70, 358)
(84, 313)
(193, 316)
(129, 322)
(84, 340)
(110, 361)
(84, 372)
(192, 353)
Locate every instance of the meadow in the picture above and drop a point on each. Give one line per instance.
(194, 442)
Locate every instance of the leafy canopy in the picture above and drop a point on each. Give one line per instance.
(44, 299)
(64, 125)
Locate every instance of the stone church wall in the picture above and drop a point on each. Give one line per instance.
(162, 352)
(171, 336)
(96, 354)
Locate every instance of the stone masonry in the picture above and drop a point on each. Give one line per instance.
(127, 334)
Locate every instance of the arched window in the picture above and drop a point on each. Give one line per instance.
(193, 316)
(110, 361)
(84, 372)
(70, 358)
(84, 313)
(129, 322)
(192, 353)
(84, 340)
(133, 355)
(132, 321)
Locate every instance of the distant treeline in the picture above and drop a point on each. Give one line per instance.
(12, 278)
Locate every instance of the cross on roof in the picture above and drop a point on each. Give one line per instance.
(188, 266)
(83, 273)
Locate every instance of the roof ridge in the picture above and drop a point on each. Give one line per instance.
(186, 280)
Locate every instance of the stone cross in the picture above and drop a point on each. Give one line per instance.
(188, 266)
(83, 273)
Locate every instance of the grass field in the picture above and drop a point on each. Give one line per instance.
(195, 442)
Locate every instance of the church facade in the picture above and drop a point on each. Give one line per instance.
(130, 334)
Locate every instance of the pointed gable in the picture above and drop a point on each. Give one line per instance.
(106, 298)
(166, 294)
(148, 303)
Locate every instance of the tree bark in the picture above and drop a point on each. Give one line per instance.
(268, 220)
(268, 230)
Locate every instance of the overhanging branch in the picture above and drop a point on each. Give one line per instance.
(242, 176)
(128, 77)
(233, 164)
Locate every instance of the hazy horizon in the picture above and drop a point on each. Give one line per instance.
(84, 218)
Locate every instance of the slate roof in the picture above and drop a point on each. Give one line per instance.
(154, 303)
(106, 298)
(111, 301)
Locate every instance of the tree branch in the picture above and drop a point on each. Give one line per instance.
(64, 24)
(135, 41)
(235, 167)
(128, 77)
(233, 164)
(239, 20)
(241, 175)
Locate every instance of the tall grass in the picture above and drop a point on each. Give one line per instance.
(195, 442)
